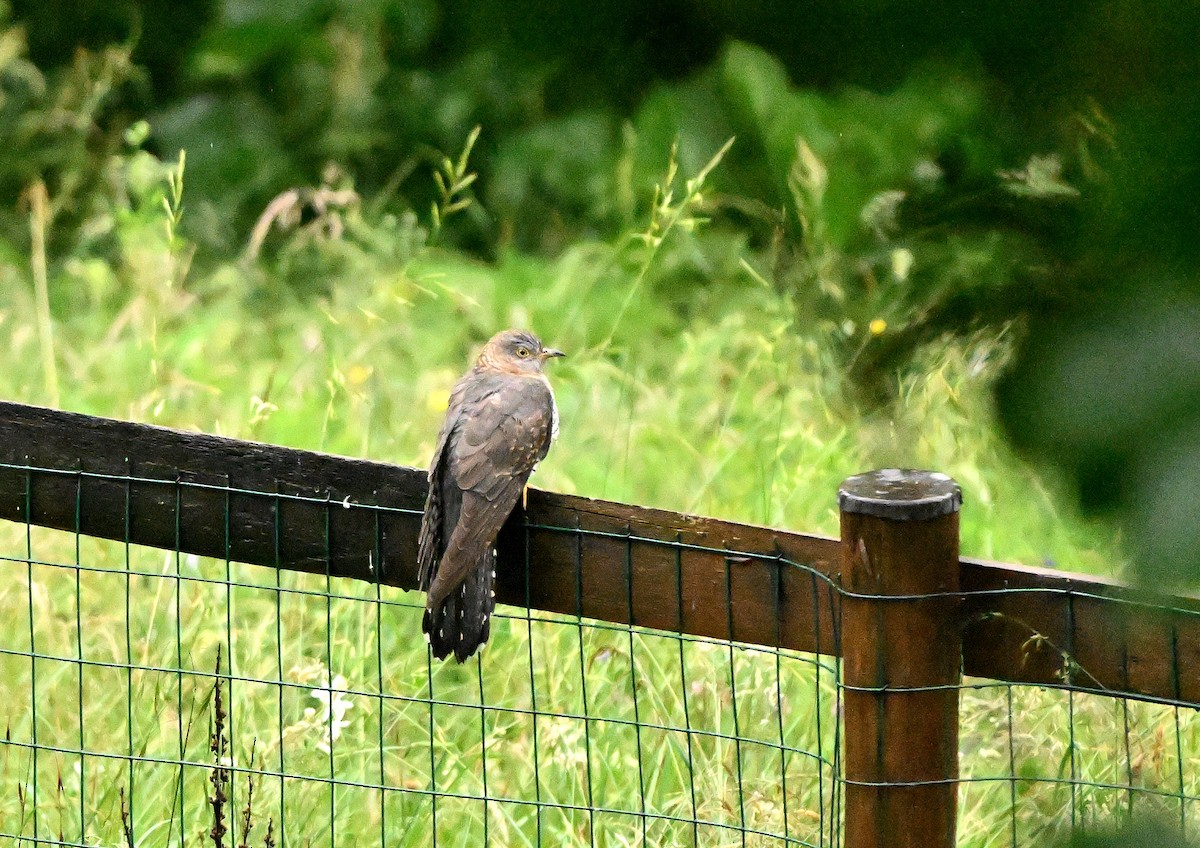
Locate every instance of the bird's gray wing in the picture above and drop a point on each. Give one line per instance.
(442, 501)
(501, 433)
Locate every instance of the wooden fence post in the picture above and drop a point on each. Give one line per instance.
(901, 649)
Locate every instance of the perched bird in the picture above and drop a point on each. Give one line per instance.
(500, 423)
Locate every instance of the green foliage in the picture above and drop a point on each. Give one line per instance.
(874, 213)
(887, 219)
(58, 129)
(1106, 386)
(331, 83)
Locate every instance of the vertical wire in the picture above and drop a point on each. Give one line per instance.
(737, 732)
(33, 716)
(230, 722)
(1071, 705)
(483, 744)
(1012, 769)
(277, 543)
(1128, 759)
(637, 720)
(835, 607)
(79, 652)
(129, 640)
(179, 658)
(1125, 722)
(1178, 733)
(329, 672)
(587, 722)
(817, 702)
(683, 688)
(433, 793)
(537, 777)
(777, 579)
(377, 550)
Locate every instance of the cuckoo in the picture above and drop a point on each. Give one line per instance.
(500, 423)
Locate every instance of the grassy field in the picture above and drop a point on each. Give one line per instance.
(719, 398)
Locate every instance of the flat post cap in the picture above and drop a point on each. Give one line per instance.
(900, 494)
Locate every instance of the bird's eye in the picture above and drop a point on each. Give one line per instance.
(523, 352)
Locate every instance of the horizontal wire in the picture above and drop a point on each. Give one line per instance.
(1006, 778)
(45, 840)
(463, 796)
(144, 759)
(224, 488)
(891, 689)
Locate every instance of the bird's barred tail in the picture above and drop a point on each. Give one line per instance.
(463, 621)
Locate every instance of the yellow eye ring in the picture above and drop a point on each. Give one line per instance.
(523, 352)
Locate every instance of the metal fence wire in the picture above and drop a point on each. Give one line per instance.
(158, 698)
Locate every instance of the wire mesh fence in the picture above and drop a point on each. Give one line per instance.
(154, 696)
(1041, 762)
(334, 727)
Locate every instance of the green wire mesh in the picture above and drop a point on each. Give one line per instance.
(156, 698)
(159, 698)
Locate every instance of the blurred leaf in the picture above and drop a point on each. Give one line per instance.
(754, 84)
(1139, 835)
(1114, 396)
(1041, 178)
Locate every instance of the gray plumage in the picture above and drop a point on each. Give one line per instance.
(499, 425)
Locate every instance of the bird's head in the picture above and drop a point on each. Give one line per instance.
(517, 352)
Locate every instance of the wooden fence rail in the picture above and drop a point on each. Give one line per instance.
(1124, 641)
(305, 511)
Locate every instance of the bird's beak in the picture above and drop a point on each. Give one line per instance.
(551, 352)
